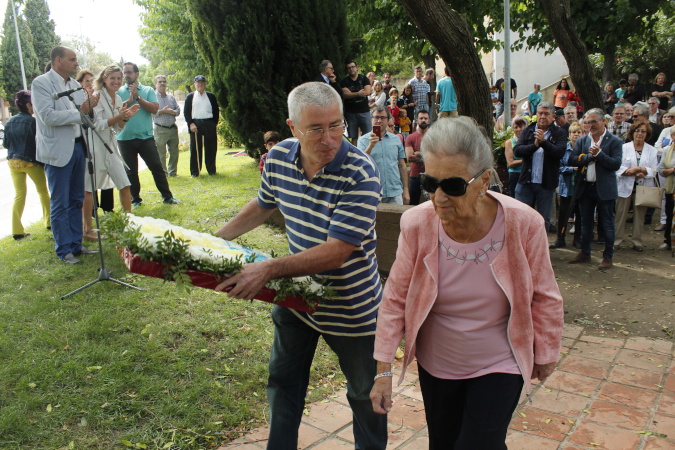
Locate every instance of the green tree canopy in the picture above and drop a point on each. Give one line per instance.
(42, 28)
(11, 66)
(257, 53)
(168, 43)
(602, 26)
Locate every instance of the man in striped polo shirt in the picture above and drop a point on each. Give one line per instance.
(328, 192)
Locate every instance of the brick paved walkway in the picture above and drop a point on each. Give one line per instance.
(605, 394)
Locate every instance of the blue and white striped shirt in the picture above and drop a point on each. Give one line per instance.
(339, 202)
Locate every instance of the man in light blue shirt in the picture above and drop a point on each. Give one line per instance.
(387, 151)
(446, 96)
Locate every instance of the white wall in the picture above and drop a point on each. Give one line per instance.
(528, 67)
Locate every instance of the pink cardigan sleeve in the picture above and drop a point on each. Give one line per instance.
(547, 303)
(391, 316)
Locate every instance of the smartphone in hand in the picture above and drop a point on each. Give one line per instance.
(377, 130)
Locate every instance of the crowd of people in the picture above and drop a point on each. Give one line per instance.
(472, 287)
(595, 161)
(71, 116)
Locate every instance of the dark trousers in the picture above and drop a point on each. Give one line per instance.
(669, 218)
(203, 148)
(469, 414)
(146, 149)
(568, 208)
(415, 188)
(290, 363)
(587, 203)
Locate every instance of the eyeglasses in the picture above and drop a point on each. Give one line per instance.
(380, 117)
(329, 67)
(317, 133)
(635, 116)
(652, 103)
(453, 186)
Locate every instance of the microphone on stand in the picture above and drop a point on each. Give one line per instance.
(58, 95)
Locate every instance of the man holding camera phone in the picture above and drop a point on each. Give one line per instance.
(387, 152)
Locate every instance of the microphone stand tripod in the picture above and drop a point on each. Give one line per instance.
(103, 273)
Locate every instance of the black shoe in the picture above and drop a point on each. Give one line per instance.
(648, 220)
(552, 228)
(558, 244)
(20, 236)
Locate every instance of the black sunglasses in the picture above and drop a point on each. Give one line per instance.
(453, 186)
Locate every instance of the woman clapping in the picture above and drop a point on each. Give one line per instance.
(110, 115)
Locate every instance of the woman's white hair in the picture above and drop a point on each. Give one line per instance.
(459, 136)
(312, 93)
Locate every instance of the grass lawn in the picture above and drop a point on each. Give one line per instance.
(112, 367)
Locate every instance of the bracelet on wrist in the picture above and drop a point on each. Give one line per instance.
(383, 374)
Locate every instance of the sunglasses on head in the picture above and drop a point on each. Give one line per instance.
(453, 186)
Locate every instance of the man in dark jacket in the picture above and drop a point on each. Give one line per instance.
(201, 114)
(598, 155)
(327, 75)
(541, 145)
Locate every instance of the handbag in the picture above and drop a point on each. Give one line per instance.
(649, 196)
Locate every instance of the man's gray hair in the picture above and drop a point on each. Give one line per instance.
(381, 109)
(641, 111)
(633, 76)
(671, 110)
(157, 77)
(545, 105)
(325, 63)
(654, 99)
(595, 112)
(570, 108)
(459, 136)
(312, 93)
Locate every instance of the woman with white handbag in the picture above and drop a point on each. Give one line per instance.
(638, 169)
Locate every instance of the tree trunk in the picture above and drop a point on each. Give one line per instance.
(560, 21)
(608, 65)
(447, 30)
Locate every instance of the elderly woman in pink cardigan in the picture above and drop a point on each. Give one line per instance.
(473, 291)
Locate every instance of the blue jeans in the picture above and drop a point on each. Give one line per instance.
(587, 204)
(290, 362)
(535, 196)
(66, 185)
(396, 200)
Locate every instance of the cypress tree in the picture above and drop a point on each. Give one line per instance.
(258, 52)
(11, 67)
(42, 28)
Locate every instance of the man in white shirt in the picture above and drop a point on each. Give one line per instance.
(60, 146)
(201, 114)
